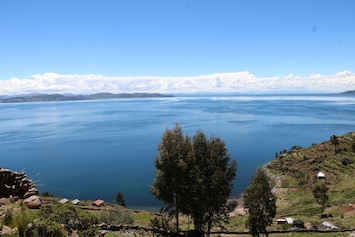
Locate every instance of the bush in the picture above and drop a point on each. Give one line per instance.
(116, 217)
(346, 161)
(68, 215)
(160, 224)
(47, 228)
(8, 218)
(298, 223)
(232, 205)
(47, 194)
(22, 220)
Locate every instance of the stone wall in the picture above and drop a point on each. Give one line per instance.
(17, 185)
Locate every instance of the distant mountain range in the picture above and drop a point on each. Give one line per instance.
(60, 97)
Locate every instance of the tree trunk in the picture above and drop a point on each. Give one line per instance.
(177, 214)
(209, 227)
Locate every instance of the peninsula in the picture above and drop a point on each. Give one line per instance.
(61, 97)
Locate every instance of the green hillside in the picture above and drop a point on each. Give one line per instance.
(295, 172)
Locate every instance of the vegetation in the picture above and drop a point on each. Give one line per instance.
(115, 217)
(195, 177)
(120, 200)
(173, 169)
(320, 194)
(261, 203)
(293, 173)
(299, 168)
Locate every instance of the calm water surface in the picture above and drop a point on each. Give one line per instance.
(94, 149)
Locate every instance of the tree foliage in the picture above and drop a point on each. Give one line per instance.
(320, 194)
(195, 177)
(214, 172)
(172, 172)
(261, 202)
(120, 199)
(336, 142)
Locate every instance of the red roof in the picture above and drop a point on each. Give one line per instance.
(98, 202)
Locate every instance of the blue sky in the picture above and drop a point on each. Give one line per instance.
(175, 38)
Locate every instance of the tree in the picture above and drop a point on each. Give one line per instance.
(194, 178)
(214, 172)
(335, 141)
(172, 172)
(120, 200)
(261, 202)
(320, 194)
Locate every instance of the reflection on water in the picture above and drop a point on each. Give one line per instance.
(94, 149)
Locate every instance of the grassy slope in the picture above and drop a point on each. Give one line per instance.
(296, 173)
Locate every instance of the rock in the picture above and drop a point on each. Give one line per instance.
(13, 199)
(31, 192)
(308, 225)
(33, 202)
(7, 230)
(352, 234)
(15, 184)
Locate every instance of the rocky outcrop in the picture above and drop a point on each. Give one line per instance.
(14, 184)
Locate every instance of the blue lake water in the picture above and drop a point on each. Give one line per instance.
(94, 149)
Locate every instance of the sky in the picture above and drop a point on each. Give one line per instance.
(171, 46)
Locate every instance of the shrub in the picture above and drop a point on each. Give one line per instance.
(47, 228)
(298, 223)
(160, 223)
(346, 161)
(8, 218)
(116, 217)
(47, 194)
(232, 205)
(72, 217)
(22, 220)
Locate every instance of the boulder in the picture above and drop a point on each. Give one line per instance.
(33, 202)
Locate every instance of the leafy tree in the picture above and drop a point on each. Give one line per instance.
(172, 173)
(335, 141)
(320, 194)
(213, 175)
(120, 200)
(261, 202)
(194, 178)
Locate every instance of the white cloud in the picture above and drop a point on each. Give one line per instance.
(218, 82)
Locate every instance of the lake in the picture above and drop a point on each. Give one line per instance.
(94, 149)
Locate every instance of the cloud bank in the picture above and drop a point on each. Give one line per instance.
(236, 82)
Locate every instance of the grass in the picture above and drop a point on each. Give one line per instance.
(299, 172)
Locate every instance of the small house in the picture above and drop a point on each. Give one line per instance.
(329, 225)
(290, 220)
(63, 200)
(321, 175)
(287, 220)
(98, 203)
(75, 201)
(281, 221)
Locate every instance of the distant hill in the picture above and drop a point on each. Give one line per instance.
(60, 97)
(348, 93)
(295, 172)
